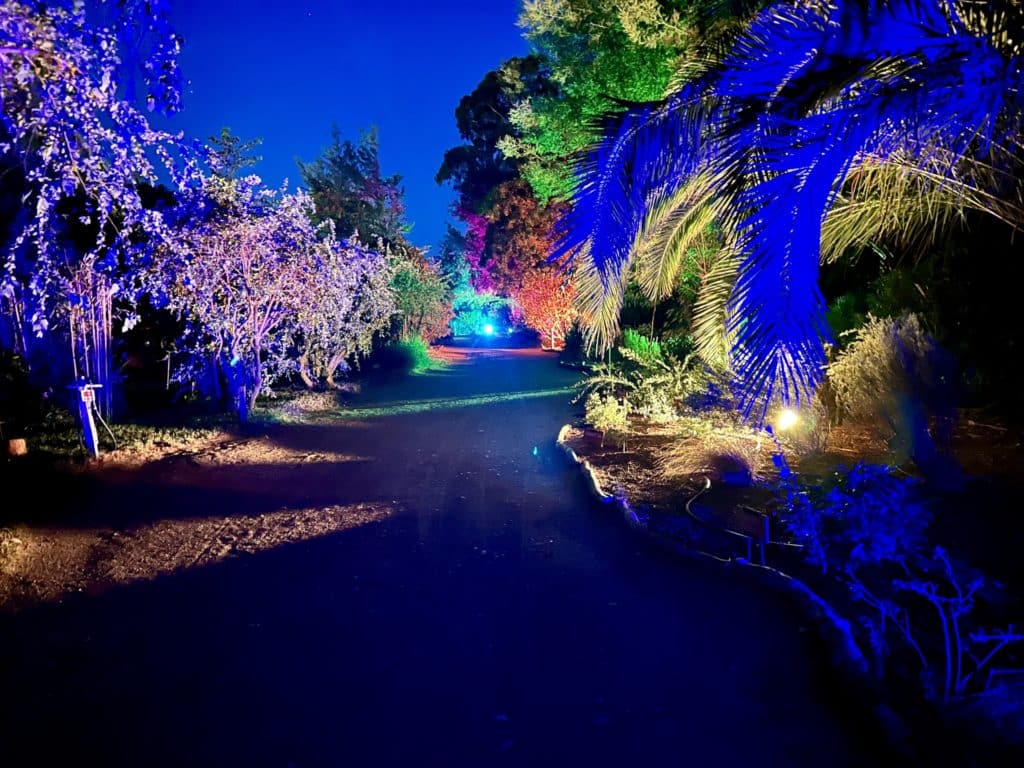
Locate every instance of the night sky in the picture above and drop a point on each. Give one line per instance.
(285, 71)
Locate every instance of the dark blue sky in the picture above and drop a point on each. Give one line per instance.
(285, 71)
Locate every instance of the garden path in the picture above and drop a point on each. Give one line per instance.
(492, 614)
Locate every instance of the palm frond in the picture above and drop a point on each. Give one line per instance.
(928, 90)
(911, 206)
(622, 175)
(673, 227)
(710, 322)
(599, 303)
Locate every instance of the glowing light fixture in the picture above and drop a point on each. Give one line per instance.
(786, 419)
(488, 330)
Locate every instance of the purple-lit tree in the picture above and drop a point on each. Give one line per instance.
(810, 94)
(79, 151)
(240, 278)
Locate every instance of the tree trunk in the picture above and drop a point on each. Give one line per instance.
(332, 365)
(256, 377)
(304, 373)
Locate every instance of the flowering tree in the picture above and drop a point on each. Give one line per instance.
(240, 279)
(346, 303)
(546, 298)
(72, 140)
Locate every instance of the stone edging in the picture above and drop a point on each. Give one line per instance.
(834, 631)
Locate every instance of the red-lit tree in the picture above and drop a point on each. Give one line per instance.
(520, 238)
(546, 299)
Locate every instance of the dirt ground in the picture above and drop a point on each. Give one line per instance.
(981, 446)
(104, 548)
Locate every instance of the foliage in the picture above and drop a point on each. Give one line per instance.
(229, 155)
(641, 347)
(252, 276)
(347, 302)
(596, 67)
(893, 375)
(411, 355)
(472, 310)
(867, 517)
(777, 128)
(78, 150)
(520, 238)
(477, 167)
(869, 529)
(714, 441)
(608, 415)
(652, 385)
(347, 186)
(546, 299)
(422, 296)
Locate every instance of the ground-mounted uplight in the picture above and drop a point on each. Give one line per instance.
(488, 329)
(786, 419)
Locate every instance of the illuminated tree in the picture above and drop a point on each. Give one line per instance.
(810, 95)
(423, 299)
(240, 279)
(546, 299)
(347, 301)
(80, 152)
(596, 66)
(229, 155)
(348, 187)
(476, 167)
(514, 236)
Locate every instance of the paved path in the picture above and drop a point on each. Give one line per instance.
(495, 618)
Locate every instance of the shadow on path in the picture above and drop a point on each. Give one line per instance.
(494, 618)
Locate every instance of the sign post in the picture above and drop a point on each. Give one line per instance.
(86, 403)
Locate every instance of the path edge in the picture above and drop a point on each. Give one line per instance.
(834, 632)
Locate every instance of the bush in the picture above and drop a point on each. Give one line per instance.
(642, 348)
(410, 355)
(869, 528)
(607, 415)
(867, 516)
(894, 376)
(715, 443)
(652, 385)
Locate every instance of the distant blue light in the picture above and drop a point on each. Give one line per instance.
(488, 330)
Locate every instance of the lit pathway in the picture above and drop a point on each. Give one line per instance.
(495, 618)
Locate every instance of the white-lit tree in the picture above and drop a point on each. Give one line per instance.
(345, 304)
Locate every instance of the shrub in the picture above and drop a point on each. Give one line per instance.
(607, 414)
(893, 375)
(715, 443)
(867, 516)
(654, 386)
(869, 528)
(642, 348)
(411, 355)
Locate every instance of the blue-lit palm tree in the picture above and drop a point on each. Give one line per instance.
(915, 96)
